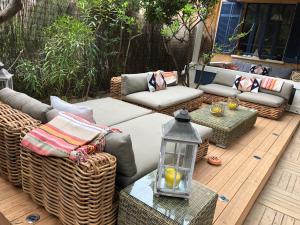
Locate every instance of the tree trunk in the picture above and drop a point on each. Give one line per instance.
(13, 7)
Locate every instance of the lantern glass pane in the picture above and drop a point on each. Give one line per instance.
(174, 180)
(179, 155)
(176, 170)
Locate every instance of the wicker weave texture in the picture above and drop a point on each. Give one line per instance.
(232, 125)
(202, 150)
(115, 87)
(12, 125)
(264, 111)
(76, 194)
(115, 90)
(143, 207)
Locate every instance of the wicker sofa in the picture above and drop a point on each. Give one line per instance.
(133, 88)
(269, 104)
(86, 193)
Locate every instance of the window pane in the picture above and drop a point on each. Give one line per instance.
(271, 27)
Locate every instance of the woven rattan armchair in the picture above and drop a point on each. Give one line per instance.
(76, 194)
(115, 91)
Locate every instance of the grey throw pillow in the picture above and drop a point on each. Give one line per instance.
(25, 103)
(120, 146)
(132, 83)
(50, 115)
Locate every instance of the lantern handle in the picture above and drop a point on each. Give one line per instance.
(182, 115)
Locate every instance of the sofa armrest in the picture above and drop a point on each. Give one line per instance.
(115, 87)
(75, 193)
(13, 126)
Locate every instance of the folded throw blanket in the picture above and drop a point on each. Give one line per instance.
(66, 136)
(272, 84)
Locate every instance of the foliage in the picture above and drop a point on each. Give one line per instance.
(67, 66)
(113, 22)
(70, 53)
(162, 11)
(29, 76)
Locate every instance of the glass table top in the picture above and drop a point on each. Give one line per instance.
(230, 119)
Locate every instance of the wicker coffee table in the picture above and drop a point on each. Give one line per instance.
(228, 127)
(139, 206)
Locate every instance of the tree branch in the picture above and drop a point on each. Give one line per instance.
(13, 7)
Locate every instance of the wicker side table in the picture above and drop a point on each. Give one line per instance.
(232, 125)
(138, 205)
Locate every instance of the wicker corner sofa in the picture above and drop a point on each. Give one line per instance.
(82, 193)
(269, 104)
(191, 101)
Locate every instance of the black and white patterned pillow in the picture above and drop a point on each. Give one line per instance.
(259, 69)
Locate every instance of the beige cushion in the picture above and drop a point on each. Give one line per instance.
(132, 83)
(165, 98)
(262, 98)
(50, 115)
(120, 146)
(225, 77)
(109, 111)
(146, 135)
(25, 103)
(218, 89)
(285, 92)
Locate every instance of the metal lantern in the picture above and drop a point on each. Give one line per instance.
(5, 77)
(180, 141)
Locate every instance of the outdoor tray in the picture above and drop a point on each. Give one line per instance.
(226, 128)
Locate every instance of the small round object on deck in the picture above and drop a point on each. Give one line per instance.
(33, 218)
(214, 160)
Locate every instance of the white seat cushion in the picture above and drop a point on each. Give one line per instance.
(165, 98)
(262, 98)
(218, 89)
(109, 111)
(146, 132)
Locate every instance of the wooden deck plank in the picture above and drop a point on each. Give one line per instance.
(256, 215)
(238, 208)
(204, 173)
(268, 217)
(16, 206)
(267, 140)
(282, 193)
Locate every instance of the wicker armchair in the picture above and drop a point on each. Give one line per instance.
(115, 91)
(76, 194)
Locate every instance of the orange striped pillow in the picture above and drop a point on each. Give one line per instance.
(171, 78)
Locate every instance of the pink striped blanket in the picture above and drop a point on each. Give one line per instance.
(272, 84)
(67, 136)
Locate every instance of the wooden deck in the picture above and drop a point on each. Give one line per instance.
(247, 165)
(240, 179)
(279, 202)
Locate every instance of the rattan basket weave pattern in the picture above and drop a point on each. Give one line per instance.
(115, 90)
(12, 123)
(76, 194)
(295, 76)
(263, 111)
